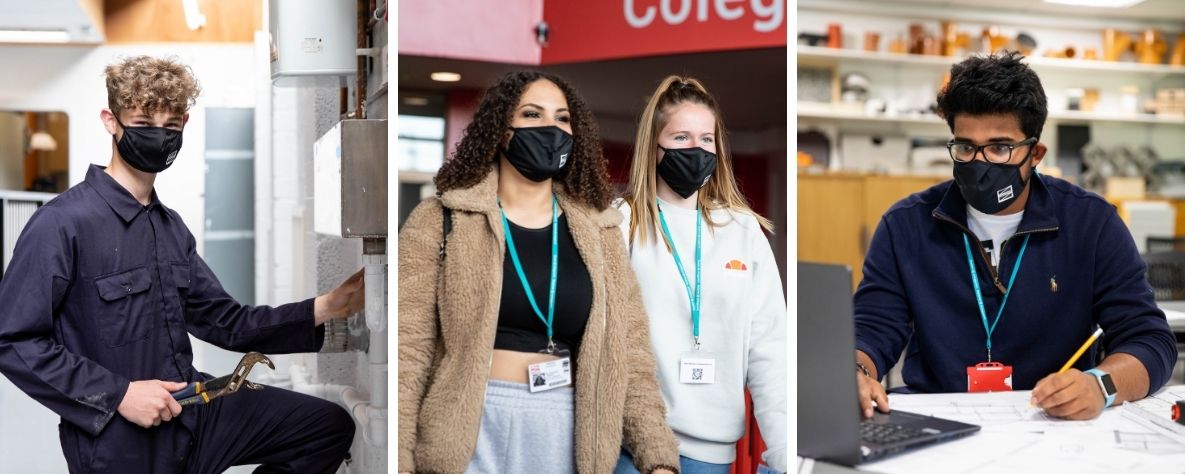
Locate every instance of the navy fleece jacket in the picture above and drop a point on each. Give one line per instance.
(1081, 271)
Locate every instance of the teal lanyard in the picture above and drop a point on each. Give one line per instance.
(979, 297)
(693, 297)
(522, 276)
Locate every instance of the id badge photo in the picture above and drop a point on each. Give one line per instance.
(551, 374)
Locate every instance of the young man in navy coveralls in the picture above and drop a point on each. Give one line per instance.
(103, 290)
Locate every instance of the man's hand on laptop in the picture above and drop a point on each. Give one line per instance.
(1073, 395)
(867, 385)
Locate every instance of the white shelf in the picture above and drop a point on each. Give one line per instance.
(1076, 116)
(819, 55)
(825, 112)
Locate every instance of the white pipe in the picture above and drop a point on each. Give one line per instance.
(378, 368)
(376, 293)
(300, 384)
(372, 420)
(376, 321)
(371, 415)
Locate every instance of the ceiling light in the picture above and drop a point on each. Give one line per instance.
(1098, 3)
(194, 19)
(34, 36)
(445, 77)
(415, 101)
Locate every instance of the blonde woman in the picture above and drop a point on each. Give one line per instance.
(522, 336)
(710, 282)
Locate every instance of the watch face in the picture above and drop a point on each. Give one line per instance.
(1108, 384)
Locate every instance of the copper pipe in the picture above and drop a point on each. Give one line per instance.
(360, 85)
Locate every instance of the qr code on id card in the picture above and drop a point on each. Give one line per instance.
(697, 374)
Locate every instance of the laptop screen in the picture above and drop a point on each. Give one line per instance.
(828, 410)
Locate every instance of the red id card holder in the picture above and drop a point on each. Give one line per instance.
(989, 377)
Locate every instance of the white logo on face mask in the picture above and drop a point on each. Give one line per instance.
(1004, 194)
(563, 160)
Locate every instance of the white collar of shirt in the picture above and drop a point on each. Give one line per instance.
(994, 228)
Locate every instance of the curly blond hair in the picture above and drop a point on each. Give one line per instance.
(151, 85)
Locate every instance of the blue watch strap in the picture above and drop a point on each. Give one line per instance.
(1098, 376)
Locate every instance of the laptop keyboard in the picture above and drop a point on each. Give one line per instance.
(882, 434)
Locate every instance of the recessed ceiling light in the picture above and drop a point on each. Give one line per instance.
(34, 36)
(445, 76)
(415, 101)
(1098, 3)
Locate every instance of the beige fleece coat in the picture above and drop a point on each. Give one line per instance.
(444, 356)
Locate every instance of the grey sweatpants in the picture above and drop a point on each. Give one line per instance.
(525, 432)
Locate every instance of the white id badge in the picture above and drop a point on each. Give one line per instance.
(551, 374)
(697, 367)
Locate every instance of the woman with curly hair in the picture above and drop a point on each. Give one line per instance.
(712, 290)
(523, 343)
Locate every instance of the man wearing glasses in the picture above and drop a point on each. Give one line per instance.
(995, 279)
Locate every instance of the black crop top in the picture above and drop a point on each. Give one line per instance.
(519, 329)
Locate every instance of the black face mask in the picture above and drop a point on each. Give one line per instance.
(990, 187)
(686, 170)
(148, 149)
(538, 153)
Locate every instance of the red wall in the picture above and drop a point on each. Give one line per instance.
(584, 30)
(612, 29)
(462, 105)
(493, 31)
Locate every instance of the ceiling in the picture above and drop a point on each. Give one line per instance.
(750, 85)
(59, 15)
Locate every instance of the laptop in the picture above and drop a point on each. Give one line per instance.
(830, 427)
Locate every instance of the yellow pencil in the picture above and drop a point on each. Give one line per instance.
(1081, 350)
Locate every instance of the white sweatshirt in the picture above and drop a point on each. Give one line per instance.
(742, 323)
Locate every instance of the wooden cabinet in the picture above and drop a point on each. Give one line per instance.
(838, 213)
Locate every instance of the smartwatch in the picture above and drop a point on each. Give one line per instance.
(1105, 383)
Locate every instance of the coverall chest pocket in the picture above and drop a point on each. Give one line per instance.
(181, 280)
(125, 314)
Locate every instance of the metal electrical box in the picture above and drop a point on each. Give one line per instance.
(312, 38)
(350, 180)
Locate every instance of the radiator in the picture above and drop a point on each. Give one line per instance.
(16, 208)
(16, 215)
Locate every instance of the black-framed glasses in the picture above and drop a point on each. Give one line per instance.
(963, 152)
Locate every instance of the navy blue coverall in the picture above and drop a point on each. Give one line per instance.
(103, 291)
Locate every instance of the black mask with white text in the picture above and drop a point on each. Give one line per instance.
(990, 187)
(539, 153)
(686, 170)
(148, 149)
